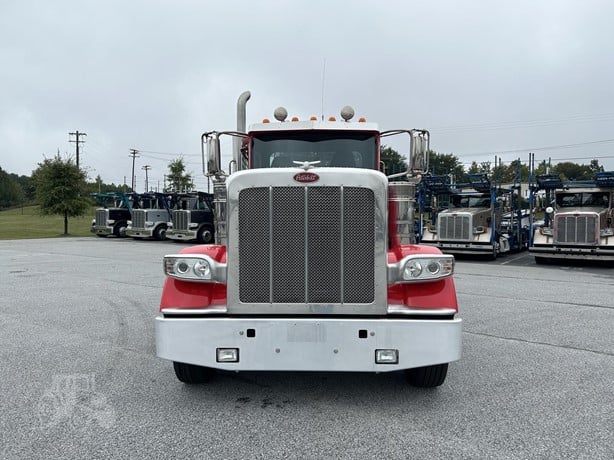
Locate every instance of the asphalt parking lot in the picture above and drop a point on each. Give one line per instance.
(81, 379)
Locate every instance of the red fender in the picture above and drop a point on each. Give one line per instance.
(428, 295)
(188, 294)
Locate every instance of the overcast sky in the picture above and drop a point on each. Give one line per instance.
(487, 78)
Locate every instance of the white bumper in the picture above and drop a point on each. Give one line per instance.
(309, 344)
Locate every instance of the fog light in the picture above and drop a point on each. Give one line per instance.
(227, 355)
(386, 356)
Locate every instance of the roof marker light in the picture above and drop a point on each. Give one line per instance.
(362, 120)
(332, 119)
(294, 118)
(313, 118)
(266, 120)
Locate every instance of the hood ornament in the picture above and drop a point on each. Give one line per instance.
(306, 165)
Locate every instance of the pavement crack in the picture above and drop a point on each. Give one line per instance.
(536, 342)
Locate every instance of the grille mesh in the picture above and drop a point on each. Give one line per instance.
(306, 245)
(453, 227)
(138, 218)
(101, 217)
(576, 229)
(181, 219)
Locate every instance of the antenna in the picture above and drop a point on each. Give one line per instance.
(323, 78)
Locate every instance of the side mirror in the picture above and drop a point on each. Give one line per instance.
(213, 155)
(419, 161)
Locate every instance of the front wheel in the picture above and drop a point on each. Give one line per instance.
(120, 229)
(191, 374)
(205, 234)
(428, 376)
(160, 233)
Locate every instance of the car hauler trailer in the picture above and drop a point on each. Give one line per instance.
(476, 217)
(578, 219)
(313, 267)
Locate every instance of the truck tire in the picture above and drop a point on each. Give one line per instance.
(160, 233)
(428, 376)
(120, 229)
(191, 374)
(205, 235)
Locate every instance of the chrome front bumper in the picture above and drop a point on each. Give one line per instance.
(309, 344)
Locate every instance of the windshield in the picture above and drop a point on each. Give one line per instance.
(583, 199)
(467, 201)
(330, 148)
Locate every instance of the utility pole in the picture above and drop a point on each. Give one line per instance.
(146, 168)
(133, 153)
(77, 134)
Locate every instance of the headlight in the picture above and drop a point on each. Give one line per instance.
(545, 231)
(421, 268)
(194, 268)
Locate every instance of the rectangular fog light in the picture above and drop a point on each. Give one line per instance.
(227, 355)
(387, 356)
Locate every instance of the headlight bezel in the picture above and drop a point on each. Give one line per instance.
(194, 267)
(419, 268)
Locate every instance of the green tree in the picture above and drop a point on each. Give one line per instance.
(441, 164)
(177, 178)
(595, 167)
(573, 171)
(476, 168)
(11, 193)
(393, 161)
(59, 186)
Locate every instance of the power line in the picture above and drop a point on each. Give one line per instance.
(524, 123)
(170, 153)
(531, 149)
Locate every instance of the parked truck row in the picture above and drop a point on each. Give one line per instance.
(186, 216)
(478, 217)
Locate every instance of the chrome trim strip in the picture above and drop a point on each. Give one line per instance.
(195, 311)
(405, 310)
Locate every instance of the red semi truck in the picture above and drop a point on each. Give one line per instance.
(314, 266)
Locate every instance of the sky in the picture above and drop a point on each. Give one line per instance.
(488, 79)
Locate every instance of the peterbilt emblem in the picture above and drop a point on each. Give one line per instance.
(304, 177)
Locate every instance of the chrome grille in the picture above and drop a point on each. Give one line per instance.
(138, 218)
(577, 229)
(101, 217)
(307, 245)
(181, 219)
(454, 227)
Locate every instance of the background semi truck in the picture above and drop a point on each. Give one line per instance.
(151, 219)
(577, 221)
(474, 217)
(113, 214)
(192, 218)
